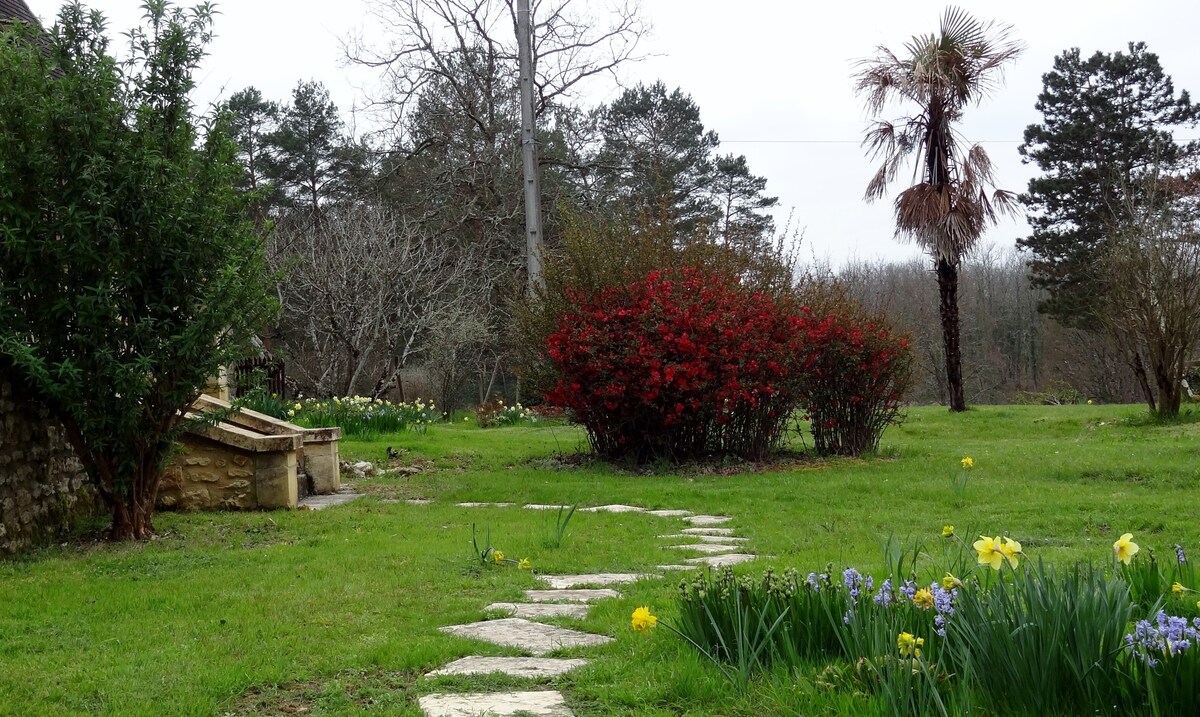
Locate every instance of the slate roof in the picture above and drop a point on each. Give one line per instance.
(16, 10)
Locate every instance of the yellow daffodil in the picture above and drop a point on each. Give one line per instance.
(923, 598)
(525, 564)
(299, 407)
(968, 463)
(950, 582)
(1125, 548)
(498, 556)
(291, 413)
(908, 645)
(1178, 589)
(1090, 402)
(1011, 549)
(947, 531)
(643, 621)
(989, 552)
(466, 418)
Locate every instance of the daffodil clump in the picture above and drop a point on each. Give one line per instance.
(972, 633)
(364, 416)
(496, 413)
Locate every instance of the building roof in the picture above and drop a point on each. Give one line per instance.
(16, 10)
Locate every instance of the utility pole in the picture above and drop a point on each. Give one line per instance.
(533, 190)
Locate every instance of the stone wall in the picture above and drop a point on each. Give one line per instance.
(42, 484)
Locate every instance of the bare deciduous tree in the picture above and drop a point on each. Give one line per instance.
(430, 38)
(1151, 278)
(362, 293)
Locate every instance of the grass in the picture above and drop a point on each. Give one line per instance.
(335, 612)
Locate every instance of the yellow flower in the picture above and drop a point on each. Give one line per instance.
(1178, 589)
(923, 598)
(291, 413)
(908, 645)
(525, 564)
(1011, 549)
(466, 418)
(1125, 548)
(1089, 401)
(299, 407)
(950, 582)
(643, 620)
(968, 463)
(947, 531)
(989, 551)
(498, 556)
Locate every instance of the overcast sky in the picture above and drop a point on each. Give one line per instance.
(771, 77)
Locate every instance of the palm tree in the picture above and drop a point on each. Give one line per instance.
(948, 209)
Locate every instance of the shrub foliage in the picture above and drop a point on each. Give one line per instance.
(676, 365)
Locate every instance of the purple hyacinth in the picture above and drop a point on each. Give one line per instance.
(1166, 637)
(1180, 556)
(885, 596)
(854, 581)
(909, 589)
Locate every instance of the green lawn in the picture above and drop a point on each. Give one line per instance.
(335, 612)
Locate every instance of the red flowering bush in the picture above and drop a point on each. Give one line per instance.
(852, 372)
(676, 365)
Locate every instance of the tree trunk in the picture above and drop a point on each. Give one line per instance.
(1170, 391)
(1139, 370)
(947, 276)
(132, 515)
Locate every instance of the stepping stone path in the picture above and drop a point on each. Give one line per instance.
(570, 597)
(567, 582)
(515, 666)
(706, 548)
(707, 531)
(541, 609)
(714, 539)
(536, 638)
(321, 502)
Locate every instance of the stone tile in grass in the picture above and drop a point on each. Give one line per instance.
(542, 703)
(483, 505)
(669, 513)
(704, 548)
(714, 539)
(527, 667)
(717, 561)
(614, 508)
(571, 595)
(704, 521)
(566, 582)
(533, 637)
(707, 531)
(536, 610)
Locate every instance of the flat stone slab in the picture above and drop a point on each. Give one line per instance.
(669, 513)
(707, 520)
(615, 508)
(533, 667)
(566, 582)
(717, 561)
(483, 505)
(714, 539)
(571, 595)
(707, 531)
(710, 548)
(543, 703)
(534, 637)
(676, 567)
(540, 506)
(544, 609)
(321, 502)
(418, 501)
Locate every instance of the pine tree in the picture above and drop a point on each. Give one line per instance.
(1107, 126)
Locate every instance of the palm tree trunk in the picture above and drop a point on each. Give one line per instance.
(947, 276)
